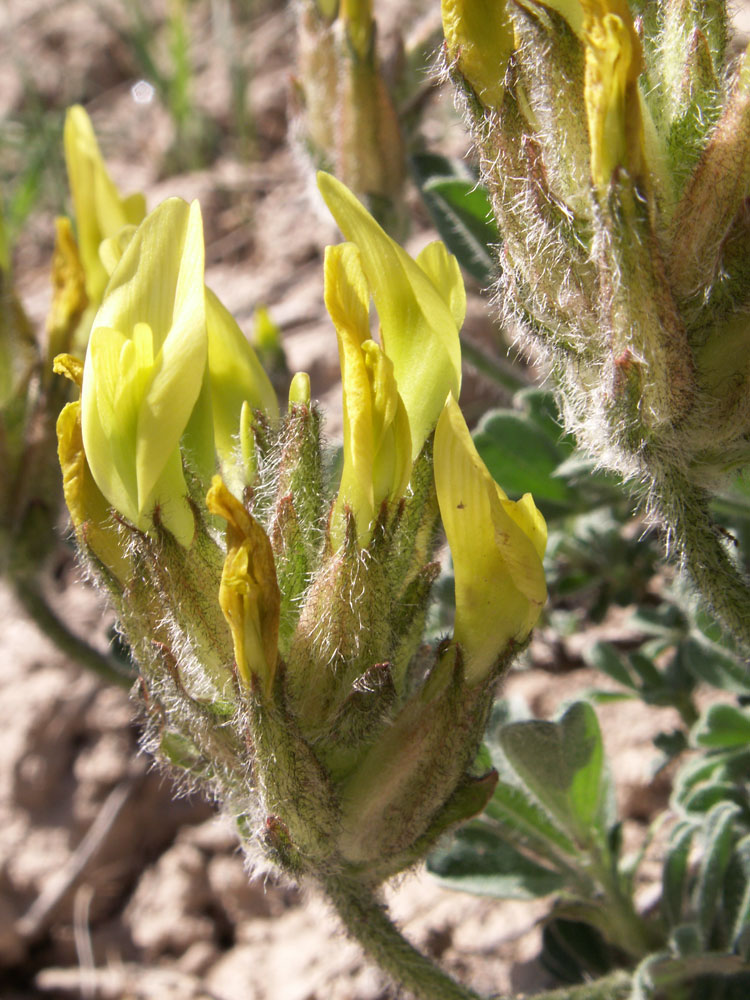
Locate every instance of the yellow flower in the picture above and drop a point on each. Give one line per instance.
(249, 592)
(168, 372)
(497, 547)
(421, 305)
(144, 369)
(377, 442)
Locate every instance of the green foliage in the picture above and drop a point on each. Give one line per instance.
(550, 829)
(461, 211)
(482, 863)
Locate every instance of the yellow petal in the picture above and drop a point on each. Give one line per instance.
(479, 38)
(70, 367)
(495, 545)
(614, 61)
(112, 248)
(89, 511)
(347, 300)
(528, 517)
(392, 462)
(68, 289)
(347, 294)
(236, 376)
(377, 441)
(109, 415)
(417, 327)
(249, 593)
(444, 272)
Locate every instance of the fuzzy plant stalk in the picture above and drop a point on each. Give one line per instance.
(344, 117)
(276, 617)
(615, 142)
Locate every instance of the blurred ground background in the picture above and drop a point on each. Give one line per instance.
(109, 887)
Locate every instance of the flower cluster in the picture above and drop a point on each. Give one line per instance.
(278, 625)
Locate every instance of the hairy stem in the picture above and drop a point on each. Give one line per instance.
(366, 920)
(615, 986)
(66, 641)
(704, 552)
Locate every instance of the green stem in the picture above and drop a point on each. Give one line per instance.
(366, 920)
(625, 928)
(703, 551)
(66, 641)
(615, 986)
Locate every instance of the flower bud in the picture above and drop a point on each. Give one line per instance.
(249, 594)
(714, 195)
(299, 390)
(346, 117)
